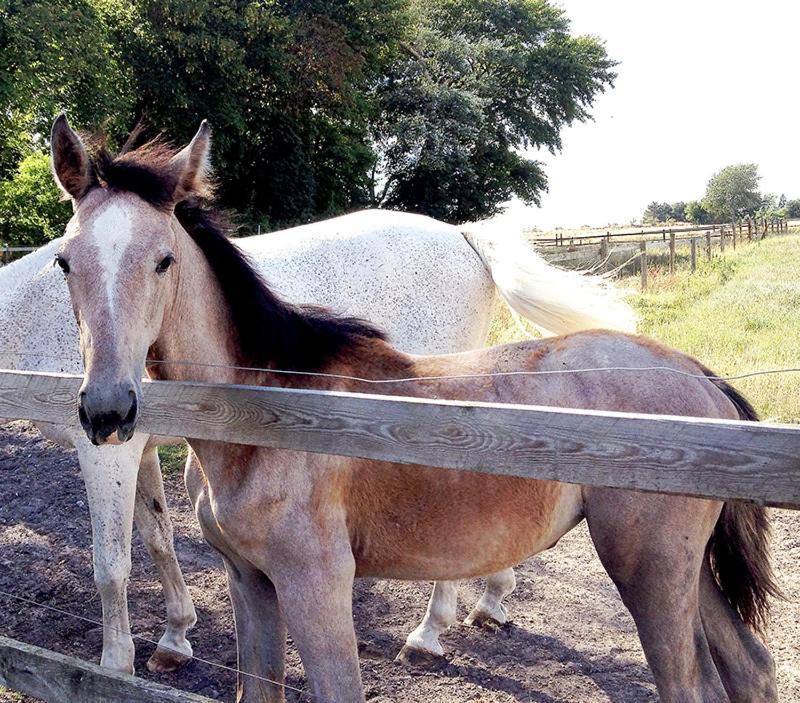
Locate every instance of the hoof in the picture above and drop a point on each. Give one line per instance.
(484, 620)
(164, 661)
(420, 659)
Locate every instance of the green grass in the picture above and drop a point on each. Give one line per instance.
(173, 459)
(738, 313)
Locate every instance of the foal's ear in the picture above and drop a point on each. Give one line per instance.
(192, 166)
(72, 168)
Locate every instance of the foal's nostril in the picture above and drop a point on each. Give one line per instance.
(108, 413)
(130, 417)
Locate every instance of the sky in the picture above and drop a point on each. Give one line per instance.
(701, 84)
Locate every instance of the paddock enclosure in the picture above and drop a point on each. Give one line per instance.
(569, 639)
(738, 459)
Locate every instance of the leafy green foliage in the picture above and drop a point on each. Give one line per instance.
(793, 208)
(657, 212)
(478, 82)
(732, 193)
(31, 210)
(55, 56)
(696, 213)
(665, 212)
(283, 84)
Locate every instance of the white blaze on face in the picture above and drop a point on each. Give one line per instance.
(112, 232)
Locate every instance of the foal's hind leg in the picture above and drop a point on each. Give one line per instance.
(744, 663)
(490, 608)
(155, 527)
(653, 547)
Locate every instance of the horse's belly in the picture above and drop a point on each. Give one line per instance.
(466, 525)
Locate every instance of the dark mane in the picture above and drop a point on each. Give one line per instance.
(146, 171)
(270, 332)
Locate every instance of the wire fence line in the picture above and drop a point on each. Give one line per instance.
(720, 459)
(147, 640)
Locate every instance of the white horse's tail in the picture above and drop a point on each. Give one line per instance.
(554, 300)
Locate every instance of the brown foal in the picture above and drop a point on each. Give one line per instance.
(150, 273)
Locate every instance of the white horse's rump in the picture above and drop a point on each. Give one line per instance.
(419, 279)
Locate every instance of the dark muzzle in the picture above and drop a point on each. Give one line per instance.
(108, 413)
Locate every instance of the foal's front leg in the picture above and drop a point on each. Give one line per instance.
(155, 528)
(316, 597)
(109, 474)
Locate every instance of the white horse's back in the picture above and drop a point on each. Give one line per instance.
(415, 277)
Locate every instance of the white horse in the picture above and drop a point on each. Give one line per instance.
(430, 285)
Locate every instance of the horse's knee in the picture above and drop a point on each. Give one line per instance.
(111, 577)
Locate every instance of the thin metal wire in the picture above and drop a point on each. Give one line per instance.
(141, 638)
(454, 377)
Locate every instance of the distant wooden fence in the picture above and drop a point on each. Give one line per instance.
(9, 253)
(596, 250)
(752, 228)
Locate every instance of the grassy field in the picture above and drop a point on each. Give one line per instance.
(738, 313)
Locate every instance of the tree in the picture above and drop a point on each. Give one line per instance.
(732, 193)
(31, 211)
(478, 82)
(696, 213)
(55, 56)
(285, 84)
(679, 211)
(657, 212)
(793, 208)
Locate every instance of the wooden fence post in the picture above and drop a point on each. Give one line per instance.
(604, 254)
(733, 235)
(708, 245)
(694, 254)
(749, 229)
(671, 253)
(643, 262)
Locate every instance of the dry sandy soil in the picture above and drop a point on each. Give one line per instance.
(570, 639)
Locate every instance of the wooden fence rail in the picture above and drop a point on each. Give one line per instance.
(753, 228)
(58, 678)
(689, 456)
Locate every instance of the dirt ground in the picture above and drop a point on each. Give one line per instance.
(570, 639)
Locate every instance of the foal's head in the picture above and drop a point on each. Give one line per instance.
(118, 256)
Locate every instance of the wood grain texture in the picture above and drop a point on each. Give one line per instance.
(57, 678)
(690, 456)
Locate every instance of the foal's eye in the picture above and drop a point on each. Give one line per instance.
(62, 264)
(165, 263)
